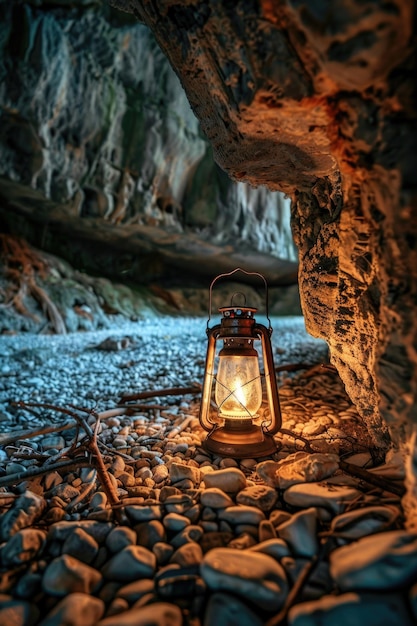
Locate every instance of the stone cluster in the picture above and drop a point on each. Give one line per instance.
(199, 539)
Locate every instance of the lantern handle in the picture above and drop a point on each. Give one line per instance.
(239, 269)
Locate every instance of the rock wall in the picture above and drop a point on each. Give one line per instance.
(93, 116)
(318, 100)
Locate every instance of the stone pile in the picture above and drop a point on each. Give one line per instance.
(199, 540)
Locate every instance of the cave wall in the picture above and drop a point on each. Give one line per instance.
(318, 100)
(93, 116)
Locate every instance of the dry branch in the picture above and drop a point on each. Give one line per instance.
(171, 391)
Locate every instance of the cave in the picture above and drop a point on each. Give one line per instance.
(173, 173)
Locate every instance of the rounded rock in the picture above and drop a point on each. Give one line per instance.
(254, 576)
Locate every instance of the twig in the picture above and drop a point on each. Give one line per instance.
(305, 441)
(7, 439)
(12, 479)
(293, 593)
(370, 478)
(171, 391)
(103, 475)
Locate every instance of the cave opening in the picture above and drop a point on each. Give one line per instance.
(146, 148)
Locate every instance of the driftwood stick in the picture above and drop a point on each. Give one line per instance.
(9, 438)
(102, 472)
(372, 479)
(13, 479)
(293, 593)
(171, 391)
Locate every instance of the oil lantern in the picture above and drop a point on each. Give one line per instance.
(240, 404)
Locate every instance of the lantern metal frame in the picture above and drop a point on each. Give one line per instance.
(234, 437)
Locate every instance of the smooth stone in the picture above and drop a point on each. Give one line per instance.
(174, 582)
(146, 513)
(305, 467)
(225, 609)
(260, 496)
(241, 514)
(22, 547)
(299, 532)
(136, 590)
(157, 614)
(230, 480)
(18, 613)
(333, 498)
(215, 539)
(349, 609)
(266, 530)
(148, 534)
(27, 508)
(129, 564)
(187, 554)
(163, 552)
(76, 609)
(251, 575)
(53, 442)
(28, 586)
(383, 561)
(192, 532)
(175, 522)
(178, 503)
(120, 537)
(98, 530)
(65, 492)
(215, 498)
(98, 501)
(81, 546)
(267, 470)
(51, 480)
(362, 522)
(65, 575)
(179, 473)
(277, 548)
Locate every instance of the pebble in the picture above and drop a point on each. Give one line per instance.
(259, 496)
(129, 564)
(227, 609)
(158, 614)
(251, 575)
(362, 522)
(331, 497)
(215, 498)
(76, 609)
(241, 514)
(65, 575)
(200, 539)
(383, 561)
(120, 537)
(26, 509)
(17, 612)
(22, 547)
(230, 480)
(300, 533)
(81, 546)
(351, 608)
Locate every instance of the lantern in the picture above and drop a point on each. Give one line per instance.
(240, 404)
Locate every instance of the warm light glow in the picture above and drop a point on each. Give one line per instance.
(238, 390)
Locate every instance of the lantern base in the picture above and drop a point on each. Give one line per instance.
(248, 444)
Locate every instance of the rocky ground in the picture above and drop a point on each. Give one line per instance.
(163, 533)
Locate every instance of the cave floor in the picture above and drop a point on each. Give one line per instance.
(171, 543)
